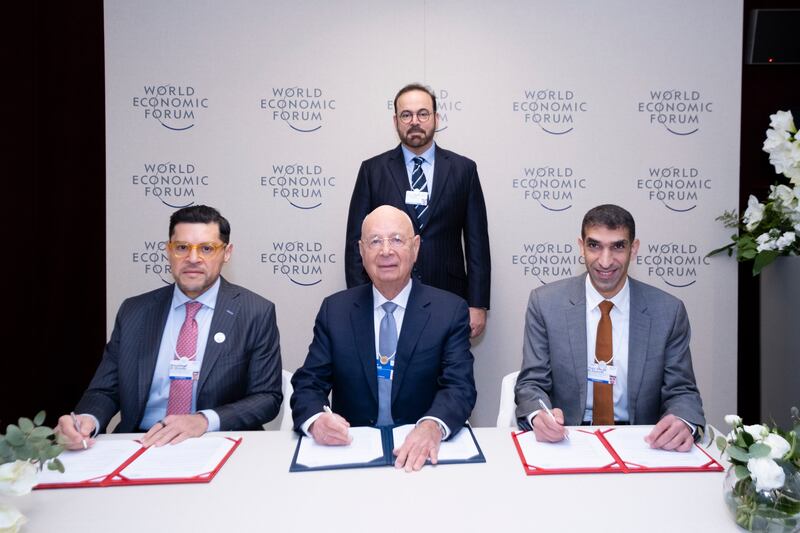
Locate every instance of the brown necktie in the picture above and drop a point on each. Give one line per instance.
(603, 406)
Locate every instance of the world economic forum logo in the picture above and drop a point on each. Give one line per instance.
(176, 107)
(153, 260)
(548, 261)
(175, 185)
(553, 188)
(301, 185)
(301, 262)
(555, 111)
(678, 264)
(680, 112)
(678, 189)
(303, 109)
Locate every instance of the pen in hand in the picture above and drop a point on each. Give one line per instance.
(552, 416)
(77, 424)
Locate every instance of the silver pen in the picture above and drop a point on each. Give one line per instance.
(550, 413)
(77, 424)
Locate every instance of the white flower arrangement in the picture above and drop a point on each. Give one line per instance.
(771, 229)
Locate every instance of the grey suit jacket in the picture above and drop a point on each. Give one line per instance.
(554, 361)
(240, 378)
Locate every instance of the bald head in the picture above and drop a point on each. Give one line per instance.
(388, 249)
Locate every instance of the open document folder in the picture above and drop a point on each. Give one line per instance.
(373, 447)
(605, 450)
(126, 462)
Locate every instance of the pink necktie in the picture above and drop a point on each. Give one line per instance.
(180, 390)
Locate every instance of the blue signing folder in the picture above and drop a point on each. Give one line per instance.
(374, 446)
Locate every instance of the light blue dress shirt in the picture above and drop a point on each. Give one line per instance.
(156, 407)
(429, 156)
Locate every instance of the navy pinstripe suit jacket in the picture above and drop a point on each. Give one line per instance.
(457, 210)
(240, 378)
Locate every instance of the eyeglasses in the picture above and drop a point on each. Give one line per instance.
(423, 115)
(204, 249)
(376, 243)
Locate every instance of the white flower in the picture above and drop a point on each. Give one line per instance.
(17, 478)
(782, 193)
(753, 214)
(783, 160)
(782, 121)
(757, 431)
(10, 519)
(766, 473)
(776, 140)
(785, 240)
(733, 420)
(765, 241)
(778, 446)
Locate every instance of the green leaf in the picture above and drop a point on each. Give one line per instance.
(759, 449)
(14, 436)
(741, 471)
(24, 452)
(53, 451)
(721, 443)
(737, 453)
(39, 418)
(41, 432)
(56, 464)
(26, 425)
(763, 259)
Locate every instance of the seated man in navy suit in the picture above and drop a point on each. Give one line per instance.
(199, 355)
(391, 352)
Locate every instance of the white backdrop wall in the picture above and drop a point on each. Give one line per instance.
(266, 109)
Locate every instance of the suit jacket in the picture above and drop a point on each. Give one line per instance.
(457, 207)
(554, 357)
(240, 378)
(433, 365)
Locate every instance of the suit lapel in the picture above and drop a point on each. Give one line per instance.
(154, 326)
(414, 321)
(441, 173)
(397, 168)
(638, 335)
(362, 321)
(576, 325)
(225, 312)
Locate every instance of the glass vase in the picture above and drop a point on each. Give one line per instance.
(774, 511)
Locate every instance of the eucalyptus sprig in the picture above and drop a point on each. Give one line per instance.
(29, 440)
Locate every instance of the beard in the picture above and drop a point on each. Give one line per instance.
(417, 136)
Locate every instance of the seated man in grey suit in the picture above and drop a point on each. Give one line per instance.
(606, 349)
(199, 355)
(391, 352)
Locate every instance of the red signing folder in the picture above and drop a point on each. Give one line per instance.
(617, 449)
(113, 462)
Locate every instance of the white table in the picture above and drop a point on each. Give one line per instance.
(254, 491)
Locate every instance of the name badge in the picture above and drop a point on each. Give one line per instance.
(385, 367)
(183, 368)
(416, 197)
(602, 373)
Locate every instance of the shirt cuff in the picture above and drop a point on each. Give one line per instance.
(691, 426)
(96, 423)
(307, 424)
(442, 426)
(531, 416)
(212, 417)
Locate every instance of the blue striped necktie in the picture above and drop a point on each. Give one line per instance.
(418, 182)
(387, 346)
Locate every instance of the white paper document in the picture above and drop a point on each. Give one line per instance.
(93, 464)
(635, 452)
(581, 450)
(190, 458)
(366, 447)
(459, 448)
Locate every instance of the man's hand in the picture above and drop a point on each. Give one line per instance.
(548, 430)
(477, 321)
(671, 433)
(331, 429)
(70, 437)
(422, 443)
(174, 429)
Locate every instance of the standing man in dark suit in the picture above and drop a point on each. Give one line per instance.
(391, 352)
(607, 349)
(199, 355)
(441, 192)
